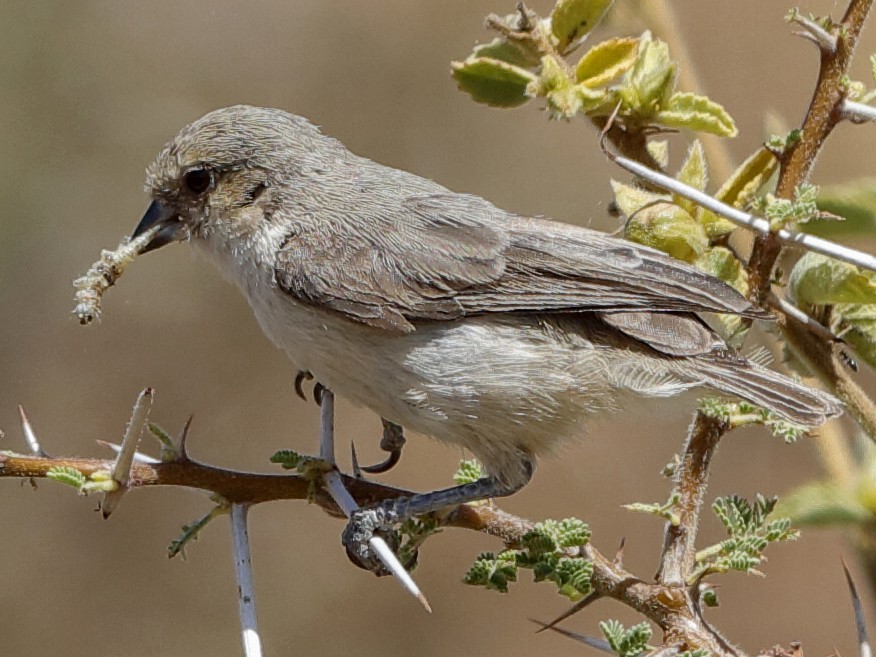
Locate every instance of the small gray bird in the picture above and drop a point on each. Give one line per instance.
(439, 311)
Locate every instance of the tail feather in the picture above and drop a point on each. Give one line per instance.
(793, 401)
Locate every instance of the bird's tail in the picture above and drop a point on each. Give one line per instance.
(793, 401)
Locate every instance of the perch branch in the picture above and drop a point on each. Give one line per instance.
(691, 481)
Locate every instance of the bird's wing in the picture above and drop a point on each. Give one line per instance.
(446, 256)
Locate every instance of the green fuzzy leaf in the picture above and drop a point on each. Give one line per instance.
(686, 110)
(666, 510)
(694, 173)
(740, 189)
(573, 577)
(722, 263)
(493, 82)
(572, 19)
(626, 642)
(818, 280)
(512, 52)
(469, 471)
(288, 459)
(669, 228)
(67, 475)
(782, 212)
(606, 61)
(630, 199)
(648, 85)
(492, 572)
(659, 150)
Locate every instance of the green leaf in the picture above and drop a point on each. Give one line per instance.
(722, 263)
(631, 199)
(739, 190)
(694, 173)
(783, 213)
(648, 85)
(572, 19)
(493, 572)
(470, 470)
(659, 150)
(687, 110)
(606, 61)
(512, 52)
(191, 531)
(669, 228)
(66, 475)
(818, 280)
(666, 510)
(626, 642)
(492, 81)
(288, 459)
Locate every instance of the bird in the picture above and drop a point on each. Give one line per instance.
(442, 313)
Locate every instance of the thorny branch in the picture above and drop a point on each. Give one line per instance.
(825, 112)
(674, 609)
(691, 481)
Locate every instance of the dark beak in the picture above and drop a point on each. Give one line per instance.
(170, 228)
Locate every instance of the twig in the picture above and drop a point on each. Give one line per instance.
(815, 32)
(858, 112)
(825, 111)
(678, 559)
(824, 361)
(746, 219)
(816, 327)
(252, 643)
(335, 487)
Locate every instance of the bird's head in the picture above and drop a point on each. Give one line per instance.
(216, 177)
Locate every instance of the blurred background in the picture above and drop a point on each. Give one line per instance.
(90, 91)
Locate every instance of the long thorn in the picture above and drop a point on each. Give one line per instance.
(335, 486)
(29, 434)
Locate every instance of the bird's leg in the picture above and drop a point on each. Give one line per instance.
(393, 435)
(393, 441)
(380, 518)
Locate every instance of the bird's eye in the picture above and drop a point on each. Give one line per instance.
(198, 180)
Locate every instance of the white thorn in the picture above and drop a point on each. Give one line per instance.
(29, 435)
(121, 472)
(335, 487)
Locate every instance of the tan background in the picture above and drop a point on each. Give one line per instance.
(90, 91)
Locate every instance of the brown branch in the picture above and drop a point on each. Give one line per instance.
(678, 559)
(825, 111)
(823, 359)
(673, 609)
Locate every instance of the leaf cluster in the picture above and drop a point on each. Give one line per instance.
(530, 59)
(749, 533)
(549, 550)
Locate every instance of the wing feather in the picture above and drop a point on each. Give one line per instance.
(446, 256)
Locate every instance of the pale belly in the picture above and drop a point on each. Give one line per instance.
(505, 388)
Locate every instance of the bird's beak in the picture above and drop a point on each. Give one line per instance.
(170, 227)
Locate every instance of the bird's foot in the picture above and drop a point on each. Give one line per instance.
(364, 524)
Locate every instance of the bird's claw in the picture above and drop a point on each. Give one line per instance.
(362, 526)
(300, 377)
(304, 375)
(393, 441)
